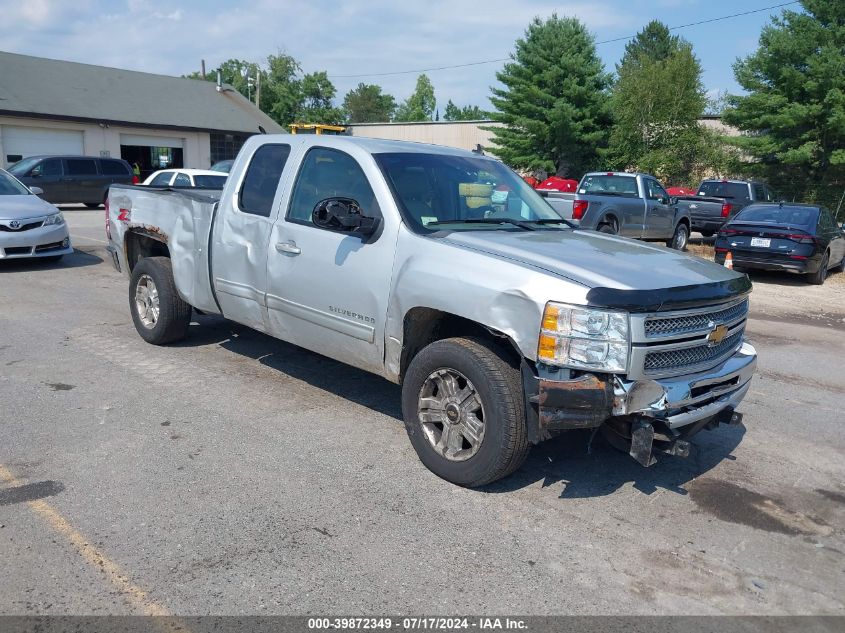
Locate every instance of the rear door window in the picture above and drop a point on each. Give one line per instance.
(182, 180)
(114, 168)
(81, 166)
(760, 193)
(162, 180)
(262, 179)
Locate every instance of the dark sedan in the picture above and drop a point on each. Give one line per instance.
(798, 238)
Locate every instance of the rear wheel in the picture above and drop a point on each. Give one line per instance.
(607, 227)
(463, 408)
(817, 278)
(680, 238)
(159, 313)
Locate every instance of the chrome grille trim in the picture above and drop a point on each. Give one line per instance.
(659, 326)
(665, 344)
(687, 357)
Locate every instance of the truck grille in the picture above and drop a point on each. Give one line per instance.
(678, 359)
(686, 323)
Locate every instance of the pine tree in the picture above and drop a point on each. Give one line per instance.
(553, 104)
(368, 104)
(794, 112)
(654, 42)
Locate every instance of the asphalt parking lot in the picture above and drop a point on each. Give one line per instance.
(236, 474)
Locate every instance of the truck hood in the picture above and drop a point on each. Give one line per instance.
(24, 206)
(619, 272)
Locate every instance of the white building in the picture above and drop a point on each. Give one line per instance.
(56, 107)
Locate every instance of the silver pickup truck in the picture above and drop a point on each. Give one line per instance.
(627, 204)
(503, 324)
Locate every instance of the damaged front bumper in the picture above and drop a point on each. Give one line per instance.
(673, 408)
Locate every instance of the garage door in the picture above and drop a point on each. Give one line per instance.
(20, 142)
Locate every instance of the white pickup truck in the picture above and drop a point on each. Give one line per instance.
(503, 323)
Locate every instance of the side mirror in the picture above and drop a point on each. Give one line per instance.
(343, 215)
(36, 172)
(673, 200)
(36, 191)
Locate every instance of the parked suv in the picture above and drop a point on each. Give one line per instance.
(68, 179)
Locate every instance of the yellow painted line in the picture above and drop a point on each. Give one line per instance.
(82, 237)
(89, 553)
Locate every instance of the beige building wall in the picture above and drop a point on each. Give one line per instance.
(98, 139)
(462, 134)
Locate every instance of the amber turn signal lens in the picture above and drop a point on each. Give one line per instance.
(547, 347)
(550, 318)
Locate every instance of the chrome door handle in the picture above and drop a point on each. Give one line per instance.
(288, 247)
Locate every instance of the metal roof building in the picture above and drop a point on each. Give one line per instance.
(56, 107)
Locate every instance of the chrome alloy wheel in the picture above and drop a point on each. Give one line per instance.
(451, 414)
(146, 301)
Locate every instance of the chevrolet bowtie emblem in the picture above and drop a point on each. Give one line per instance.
(717, 335)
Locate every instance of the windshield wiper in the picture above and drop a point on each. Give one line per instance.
(520, 223)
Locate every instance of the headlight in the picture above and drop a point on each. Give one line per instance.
(56, 218)
(584, 338)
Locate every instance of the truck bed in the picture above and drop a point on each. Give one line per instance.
(180, 218)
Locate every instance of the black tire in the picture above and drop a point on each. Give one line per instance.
(174, 315)
(93, 205)
(840, 268)
(607, 227)
(707, 233)
(680, 238)
(817, 278)
(498, 386)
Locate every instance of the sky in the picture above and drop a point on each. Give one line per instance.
(361, 38)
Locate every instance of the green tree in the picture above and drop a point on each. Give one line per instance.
(368, 104)
(657, 103)
(654, 42)
(553, 105)
(317, 93)
(234, 72)
(467, 113)
(282, 90)
(420, 105)
(794, 112)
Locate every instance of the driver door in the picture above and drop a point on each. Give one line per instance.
(660, 215)
(327, 291)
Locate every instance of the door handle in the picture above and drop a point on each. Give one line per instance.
(288, 247)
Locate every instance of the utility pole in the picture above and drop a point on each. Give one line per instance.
(258, 88)
(202, 71)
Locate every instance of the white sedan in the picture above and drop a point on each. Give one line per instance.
(187, 178)
(29, 226)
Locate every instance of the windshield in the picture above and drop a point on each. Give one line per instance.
(792, 216)
(210, 182)
(10, 186)
(609, 185)
(719, 189)
(23, 166)
(438, 191)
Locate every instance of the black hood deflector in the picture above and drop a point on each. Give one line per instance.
(663, 299)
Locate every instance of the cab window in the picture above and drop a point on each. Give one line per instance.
(262, 179)
(182, 180)
(654, 190)
(329, 173)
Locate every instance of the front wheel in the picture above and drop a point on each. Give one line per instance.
(680, 238)
(463, 408)
(159, 313)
